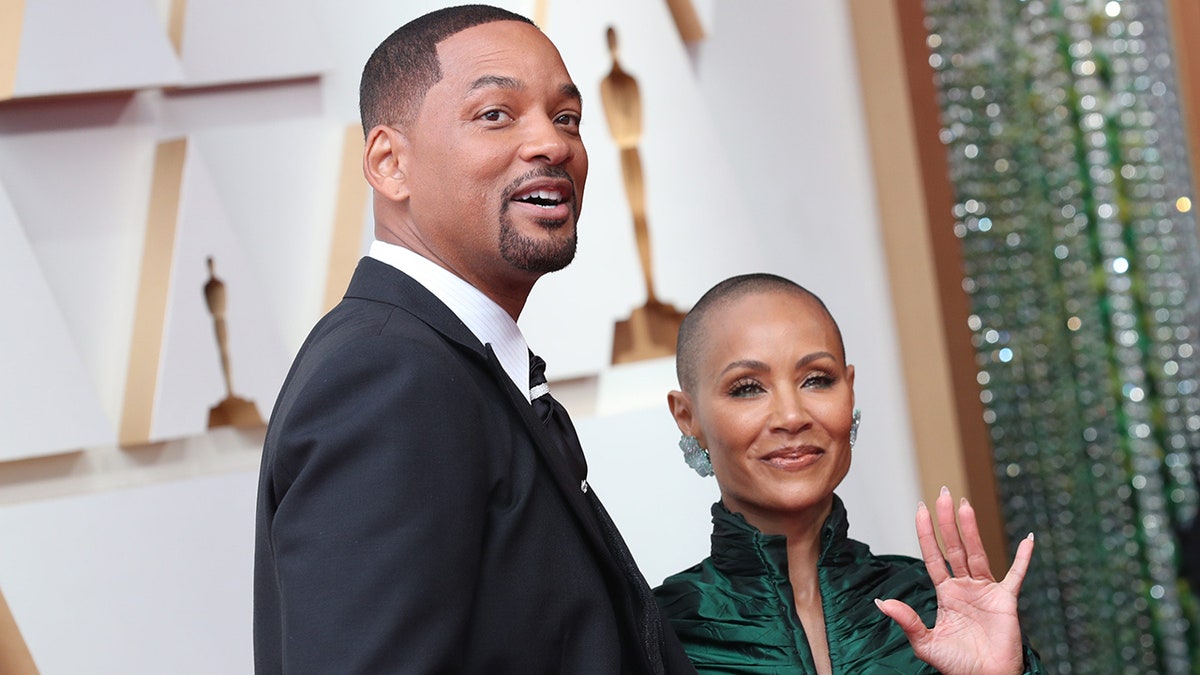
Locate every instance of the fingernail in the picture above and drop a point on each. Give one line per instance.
(945, 490)
(921, 506)
(962, 502)
(878, 603)
(1030, 537)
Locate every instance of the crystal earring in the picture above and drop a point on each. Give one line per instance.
(854, 426)
(695, 456)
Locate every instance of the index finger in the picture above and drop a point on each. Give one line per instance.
(931, 553)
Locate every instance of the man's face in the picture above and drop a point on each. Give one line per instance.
(496, 166)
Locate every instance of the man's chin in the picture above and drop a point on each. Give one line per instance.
(538, 256)
(543, 264)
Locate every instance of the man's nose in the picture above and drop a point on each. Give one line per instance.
(548, 143)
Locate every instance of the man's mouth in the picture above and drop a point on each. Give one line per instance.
(544, 197)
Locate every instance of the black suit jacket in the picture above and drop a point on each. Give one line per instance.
(414, 516)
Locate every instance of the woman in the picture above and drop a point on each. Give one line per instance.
(768, 407)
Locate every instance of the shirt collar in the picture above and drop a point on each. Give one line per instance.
(482, 316)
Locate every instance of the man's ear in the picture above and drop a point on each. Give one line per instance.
(681, 409)
(385, 163)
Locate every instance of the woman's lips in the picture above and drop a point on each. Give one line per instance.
(793, 459)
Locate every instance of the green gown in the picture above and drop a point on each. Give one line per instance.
(734, 612)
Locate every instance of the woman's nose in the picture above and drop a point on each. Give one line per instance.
(790, 413)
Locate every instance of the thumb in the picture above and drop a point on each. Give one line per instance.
(905, 617)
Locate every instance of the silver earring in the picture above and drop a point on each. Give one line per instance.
(695, 456)
(854, 426)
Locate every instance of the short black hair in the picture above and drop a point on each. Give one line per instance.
(405, 65)
(691, 330)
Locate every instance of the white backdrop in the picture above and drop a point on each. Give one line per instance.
(755, 160)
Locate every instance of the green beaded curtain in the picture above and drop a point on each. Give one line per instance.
(1072, 194)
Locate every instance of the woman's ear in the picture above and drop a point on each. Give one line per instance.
(681, 409)
(385, 162)
(850, 381)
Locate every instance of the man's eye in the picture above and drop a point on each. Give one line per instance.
(494, 116)
(568, 119)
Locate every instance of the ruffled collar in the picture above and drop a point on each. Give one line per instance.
(740, 549)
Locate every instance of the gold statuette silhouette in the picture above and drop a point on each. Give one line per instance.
(650, 330)
(233, 411)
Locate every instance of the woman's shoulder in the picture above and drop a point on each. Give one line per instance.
(705, 597)
(686, 582)
(728, 624)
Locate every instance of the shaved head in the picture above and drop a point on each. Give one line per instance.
(694, 329)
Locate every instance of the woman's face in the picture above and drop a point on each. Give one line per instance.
(773, 402)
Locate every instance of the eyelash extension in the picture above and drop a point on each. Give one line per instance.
(740, 386)
(822, 378)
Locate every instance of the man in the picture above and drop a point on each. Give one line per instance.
(416, 514)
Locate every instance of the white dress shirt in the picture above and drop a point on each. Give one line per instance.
(485, 319)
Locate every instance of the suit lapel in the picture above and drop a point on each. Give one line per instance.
(574, 492)
(380, 282)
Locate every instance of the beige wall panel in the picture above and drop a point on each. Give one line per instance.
(81, 46)
(691, 194)
(215, 342)
(912, 184)
(86, 232)
(149, 579)
(284, 221)
(233, 41)
(15, 658)
(346, 245)
(687, 20)
(222, 360)
(162, 222)
(48, 400)
(1185, 33)
(352, 30)
(905, 228)
(176, 16)
(12, 18)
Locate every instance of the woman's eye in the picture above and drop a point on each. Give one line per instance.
(818, 381)
(745, 389)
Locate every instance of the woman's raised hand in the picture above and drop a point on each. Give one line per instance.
(977, 631)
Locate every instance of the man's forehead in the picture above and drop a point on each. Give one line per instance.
(484, 55)
(492, 40)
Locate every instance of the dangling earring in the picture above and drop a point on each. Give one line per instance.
(695, 456)
(854, 426)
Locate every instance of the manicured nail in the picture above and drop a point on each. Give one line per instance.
(1030, 537)
(879, 603)
(945, 490)
(962, 502)
(921, 506)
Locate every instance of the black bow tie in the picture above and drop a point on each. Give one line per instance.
(555, 418)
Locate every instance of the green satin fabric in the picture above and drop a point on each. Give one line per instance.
(734, 612)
